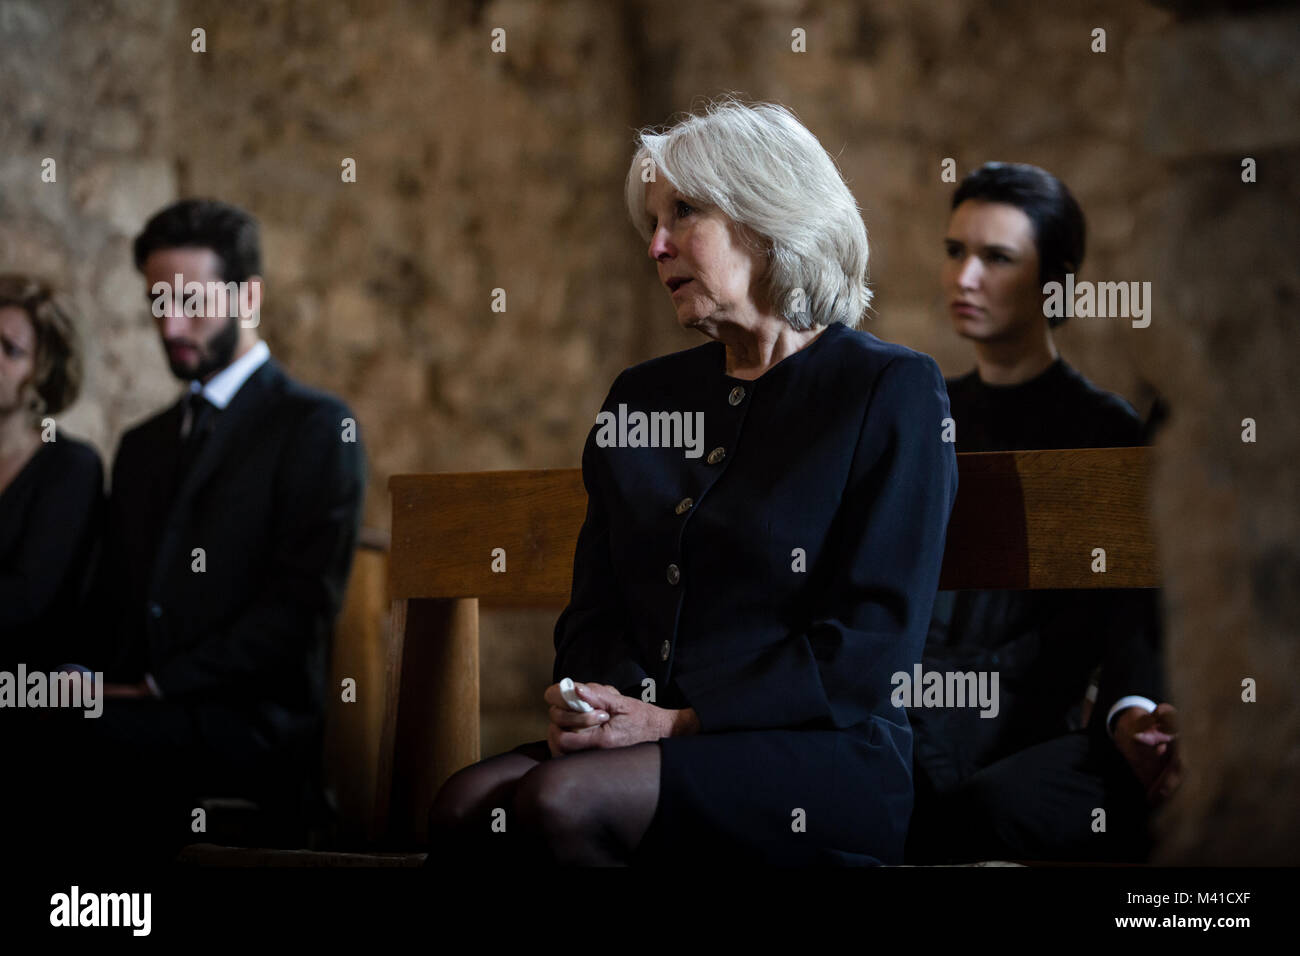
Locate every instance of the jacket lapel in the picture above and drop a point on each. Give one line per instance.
(229, 424)
(163, 454)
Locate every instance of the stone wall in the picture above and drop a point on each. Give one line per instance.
(1212, 92)
(479, 171)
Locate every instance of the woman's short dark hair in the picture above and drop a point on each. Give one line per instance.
(1059, 228)
(57, 363)
(205, 224)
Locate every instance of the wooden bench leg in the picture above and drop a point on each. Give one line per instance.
(431, 713)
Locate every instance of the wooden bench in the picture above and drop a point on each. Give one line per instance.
(1022, 520)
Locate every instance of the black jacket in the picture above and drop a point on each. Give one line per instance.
(49, 522)
(274, 502)
(775, 582)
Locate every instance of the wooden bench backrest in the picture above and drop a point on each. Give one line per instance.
(1022, 520)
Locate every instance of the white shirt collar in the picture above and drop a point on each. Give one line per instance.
(223, 386)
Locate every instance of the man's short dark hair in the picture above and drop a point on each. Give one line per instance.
(205, 224)
(1059, 228)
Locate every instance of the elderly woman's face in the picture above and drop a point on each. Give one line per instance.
(702, 260)
(990, 276)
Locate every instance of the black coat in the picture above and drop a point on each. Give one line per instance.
(687, 573)
(274, 500)
(49, 522)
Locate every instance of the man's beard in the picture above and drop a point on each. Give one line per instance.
(214, 357)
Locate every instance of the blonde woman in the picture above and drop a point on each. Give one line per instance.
(741, 598)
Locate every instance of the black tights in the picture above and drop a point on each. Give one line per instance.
(588, 808)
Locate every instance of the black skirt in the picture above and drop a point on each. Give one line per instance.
(780, 798)
(733, 798)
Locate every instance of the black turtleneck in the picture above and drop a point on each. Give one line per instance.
(1058, 408)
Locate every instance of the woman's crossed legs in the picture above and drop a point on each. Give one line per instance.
(590, 807)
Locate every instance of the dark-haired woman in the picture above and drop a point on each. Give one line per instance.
(1024, 785)
(51, 486)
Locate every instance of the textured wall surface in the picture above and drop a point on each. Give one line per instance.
(1212, 93)
(479, 170)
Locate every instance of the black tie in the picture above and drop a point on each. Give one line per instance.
(201, 414)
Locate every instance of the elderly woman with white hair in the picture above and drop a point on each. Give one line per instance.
(764, 532)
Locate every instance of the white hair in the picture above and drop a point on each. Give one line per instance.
(762, 169)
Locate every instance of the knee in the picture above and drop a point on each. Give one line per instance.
(458, 802)
(551, 802)
(985, 806)
(975, 820)
(980, 796)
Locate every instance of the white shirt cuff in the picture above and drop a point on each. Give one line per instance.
(154, 689)
(1133, 700)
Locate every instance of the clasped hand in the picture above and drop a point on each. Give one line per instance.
(1149, 742)
(615, 721)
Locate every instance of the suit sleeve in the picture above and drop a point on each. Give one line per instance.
(591, 643)
(1132, 662)
(882, 572)
(318, 490)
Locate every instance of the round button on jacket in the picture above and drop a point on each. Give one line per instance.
(684, 505)
(737, 395)
(716, 455)
(674, 574)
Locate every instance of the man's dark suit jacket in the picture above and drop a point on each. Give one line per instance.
(273, 499)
